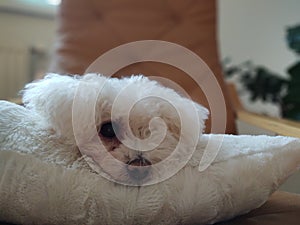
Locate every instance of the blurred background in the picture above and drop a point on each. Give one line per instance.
(257, 31)
(26, 40)
(252, 35)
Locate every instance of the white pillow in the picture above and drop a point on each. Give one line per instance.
(226, 175)
(245, 172)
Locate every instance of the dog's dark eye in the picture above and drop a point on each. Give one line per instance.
(107, 130)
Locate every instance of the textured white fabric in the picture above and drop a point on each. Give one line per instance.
(246, 171)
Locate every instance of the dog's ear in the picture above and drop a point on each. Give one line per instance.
(52, 98)
(183, 117)
(192, 117)
(181, 113)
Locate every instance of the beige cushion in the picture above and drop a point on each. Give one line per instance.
(89, 28)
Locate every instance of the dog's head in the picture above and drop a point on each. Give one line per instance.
(123, 126)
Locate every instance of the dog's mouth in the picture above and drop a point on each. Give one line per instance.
(138, 168)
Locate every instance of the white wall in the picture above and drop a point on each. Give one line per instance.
(24, 30)
(27, 30)
(255, 30)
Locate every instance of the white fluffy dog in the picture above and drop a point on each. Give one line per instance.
(119, 127)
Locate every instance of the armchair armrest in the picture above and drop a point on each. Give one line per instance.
(279, 126)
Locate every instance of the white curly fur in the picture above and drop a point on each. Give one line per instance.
(50, 104)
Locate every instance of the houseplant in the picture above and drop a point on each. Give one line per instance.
(270, 87)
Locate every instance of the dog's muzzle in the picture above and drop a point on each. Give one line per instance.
(138, 168)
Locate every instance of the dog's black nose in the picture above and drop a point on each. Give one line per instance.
(138, 168)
